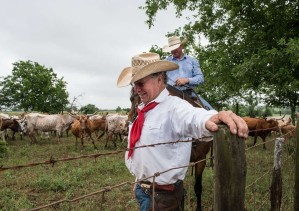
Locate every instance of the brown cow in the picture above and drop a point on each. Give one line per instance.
(96, 124)
(261, 127)
(81, 128)
(288, 131)
(11, 124)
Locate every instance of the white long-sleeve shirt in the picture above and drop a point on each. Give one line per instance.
(171, 120)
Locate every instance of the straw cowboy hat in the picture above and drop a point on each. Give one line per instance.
(173, 43)
(144, 64)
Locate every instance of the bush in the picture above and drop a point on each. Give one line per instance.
(89, 109)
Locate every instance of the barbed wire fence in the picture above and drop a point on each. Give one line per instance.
(272, 173)
(52, 161)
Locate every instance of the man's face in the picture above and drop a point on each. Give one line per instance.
(148, 88)
(177, 53)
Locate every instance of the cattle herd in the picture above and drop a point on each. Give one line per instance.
(81, 126)
(263, 127)
(114, 126)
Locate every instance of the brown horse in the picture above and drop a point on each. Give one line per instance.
(199, 148)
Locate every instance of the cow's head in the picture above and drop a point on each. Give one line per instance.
(83, 120)
(273, 125)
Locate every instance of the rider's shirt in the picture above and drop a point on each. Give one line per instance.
(188, 68)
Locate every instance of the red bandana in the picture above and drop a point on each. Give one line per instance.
(138, 124)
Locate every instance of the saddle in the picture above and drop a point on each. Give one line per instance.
(186, 95)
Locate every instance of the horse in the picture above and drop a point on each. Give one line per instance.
(199, 148)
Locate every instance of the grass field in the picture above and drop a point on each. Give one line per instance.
(35, 186)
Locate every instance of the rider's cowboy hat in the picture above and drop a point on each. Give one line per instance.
(173, 43)
(144, 64)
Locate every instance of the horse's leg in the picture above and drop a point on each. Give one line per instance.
(198, 183)
(199, 152)
(211, 156)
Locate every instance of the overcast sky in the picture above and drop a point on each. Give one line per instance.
(88, 42)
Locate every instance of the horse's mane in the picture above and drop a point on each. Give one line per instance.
(132, 93)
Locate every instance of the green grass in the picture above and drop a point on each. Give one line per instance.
(31, 187)
(259, 176)
(34, 186)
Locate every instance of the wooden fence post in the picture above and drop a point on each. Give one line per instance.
(276, 186)
(230, 171)
(296, 195)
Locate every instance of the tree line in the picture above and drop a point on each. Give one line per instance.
(252, 52)
(34, 87)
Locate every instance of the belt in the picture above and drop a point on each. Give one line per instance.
(168, 187)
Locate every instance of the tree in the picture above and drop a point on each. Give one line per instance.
(89, 109)
(253, 46)
(73, 107)
(33, 87)
(118, 109)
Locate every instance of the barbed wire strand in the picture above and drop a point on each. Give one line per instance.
(52, 161)
(268, 172)
(106, 189)
(284, 198)
(109, 188)
(281, 136)
(256, 145)
(264, 200)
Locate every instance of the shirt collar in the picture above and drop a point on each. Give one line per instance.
(161, 97)
(184, 57)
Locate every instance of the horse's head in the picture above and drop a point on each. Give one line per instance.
(135, 101)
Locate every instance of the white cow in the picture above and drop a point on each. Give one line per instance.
(4, 131)
(116, 126)
(4, 116)
(282, 121)
(33, 122)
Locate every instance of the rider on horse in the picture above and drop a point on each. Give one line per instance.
(189, 74)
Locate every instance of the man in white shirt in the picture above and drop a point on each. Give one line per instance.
(163, 118)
